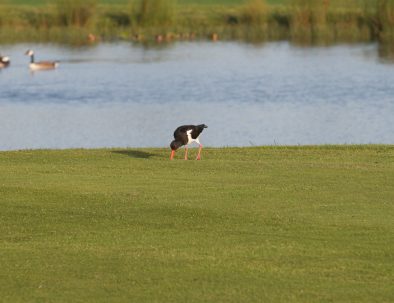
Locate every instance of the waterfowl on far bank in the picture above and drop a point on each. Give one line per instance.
(4, 61)
(41, 65)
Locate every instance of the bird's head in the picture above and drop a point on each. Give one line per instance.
(175, 145)
(29, 52)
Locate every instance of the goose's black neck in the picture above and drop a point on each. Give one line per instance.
(32, 59)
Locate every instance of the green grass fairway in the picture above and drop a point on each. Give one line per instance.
(264, 224)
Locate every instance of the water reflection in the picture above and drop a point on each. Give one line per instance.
(116, 95)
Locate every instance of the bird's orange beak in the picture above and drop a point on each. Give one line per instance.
(172, 154)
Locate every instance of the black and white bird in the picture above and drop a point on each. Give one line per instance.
(4, 61)
(185, 135)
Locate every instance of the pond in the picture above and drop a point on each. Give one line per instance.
(123, 95)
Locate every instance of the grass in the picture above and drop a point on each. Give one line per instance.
(266, 224)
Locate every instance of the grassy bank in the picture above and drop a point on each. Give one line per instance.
(272, 224)
(147, 21)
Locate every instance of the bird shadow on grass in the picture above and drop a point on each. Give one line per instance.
(134, 153)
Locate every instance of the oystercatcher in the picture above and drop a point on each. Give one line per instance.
(185, 135)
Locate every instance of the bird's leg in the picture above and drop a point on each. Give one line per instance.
(172, 154)
(185, 152)
(199, 153)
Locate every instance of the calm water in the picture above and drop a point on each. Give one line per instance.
(119, 95)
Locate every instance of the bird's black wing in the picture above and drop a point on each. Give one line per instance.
(197, 130)
(180, 134)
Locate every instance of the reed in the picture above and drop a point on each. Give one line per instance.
(309, 20)
(301, 21)
(385, 19)
(75, 12)
(154, 12)
(255, 12)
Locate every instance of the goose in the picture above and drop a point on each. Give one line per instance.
(4, 61)
(42, 65)
(185, 135)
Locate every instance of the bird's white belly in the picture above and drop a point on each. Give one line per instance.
(190, 139)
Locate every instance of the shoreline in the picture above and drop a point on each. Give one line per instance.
(252, 22)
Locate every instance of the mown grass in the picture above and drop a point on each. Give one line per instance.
(266, 224)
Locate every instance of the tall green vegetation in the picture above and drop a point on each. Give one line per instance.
(301, 21)
(385, 19)
(255, 12)
(154, 12)
(251, 22)
(328, 20)
(75, 12)
(309, 20)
